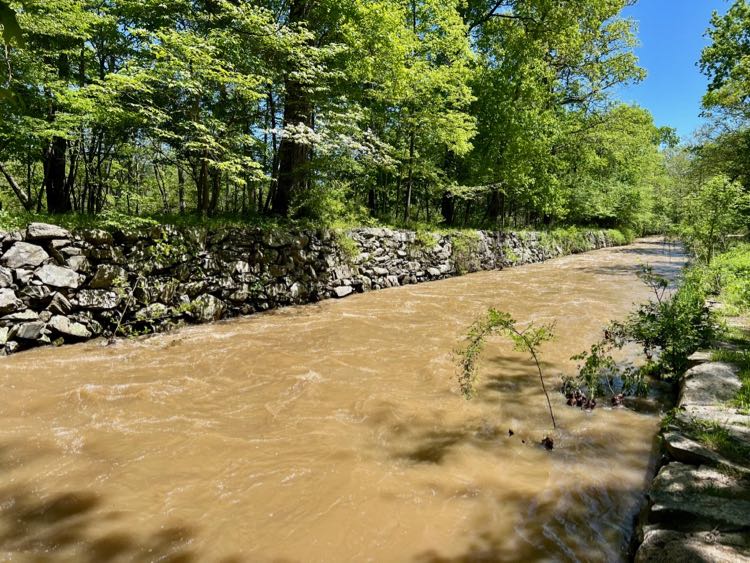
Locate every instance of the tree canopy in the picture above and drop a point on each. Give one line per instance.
(466, 112)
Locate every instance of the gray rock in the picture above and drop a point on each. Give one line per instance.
(709, 384)
(22, 316)
(97, 299)
(59, 244)
(64, 326)
(343, 291)
(24, 255)
(59, 305)
(9, 303)
(153, 312)
(35, 295)
(687, 450)
(660, 546)
(687, 496)
(277, 239)
(28, 331)
(23, 276)
(57, 276)
(96, 236)
(206, 308)
(106, 275)
(106, 253)
(6, 277)
(4, 335)
(78, 263)
(43, 231)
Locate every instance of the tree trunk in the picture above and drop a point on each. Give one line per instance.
(410, 180)
(215, 192)
(181, 189)
(448, 208)
(496, 205)
(55, 184)
(294, 174)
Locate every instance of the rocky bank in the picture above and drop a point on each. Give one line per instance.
(699, 502)
(60, 287)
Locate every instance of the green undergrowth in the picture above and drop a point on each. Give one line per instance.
(571, 239)
(729, 278)
(740, 358)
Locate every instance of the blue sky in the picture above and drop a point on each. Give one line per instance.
(672, 37)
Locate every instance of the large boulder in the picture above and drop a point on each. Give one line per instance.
(44, 231)
(9, 303)
(207, 308)
(683, 494)
(24, 255)
(28, 331)
(67, 328)
(57, 276)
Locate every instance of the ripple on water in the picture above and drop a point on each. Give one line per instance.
(335, 431)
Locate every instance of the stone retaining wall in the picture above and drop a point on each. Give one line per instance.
(61, 287)
(699, 502)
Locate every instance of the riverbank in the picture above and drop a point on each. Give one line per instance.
(59, 286)
(699, 502)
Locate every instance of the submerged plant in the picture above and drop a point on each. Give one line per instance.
(527, 340)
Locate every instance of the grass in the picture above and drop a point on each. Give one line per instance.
(740, 358)
(716, 437)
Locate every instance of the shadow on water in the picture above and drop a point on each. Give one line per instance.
(60, 526)
(543, 541)
(510, 388)
(562, 525)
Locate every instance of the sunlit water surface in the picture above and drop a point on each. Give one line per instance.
(331, 432)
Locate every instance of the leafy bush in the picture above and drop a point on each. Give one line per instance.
(349, 247)
(672, 326)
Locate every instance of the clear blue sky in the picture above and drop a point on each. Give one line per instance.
(672, 36)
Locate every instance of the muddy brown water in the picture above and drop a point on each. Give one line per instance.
(330, 432)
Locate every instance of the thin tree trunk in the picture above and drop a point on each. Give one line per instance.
(181, 188)
(410, 179)
(20, 194)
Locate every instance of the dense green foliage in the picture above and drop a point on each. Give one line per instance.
(465, 112)
(669, 328)
(706, 198)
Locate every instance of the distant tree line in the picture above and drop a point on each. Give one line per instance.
(710, 176)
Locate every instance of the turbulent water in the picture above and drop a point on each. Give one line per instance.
(331, 432)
